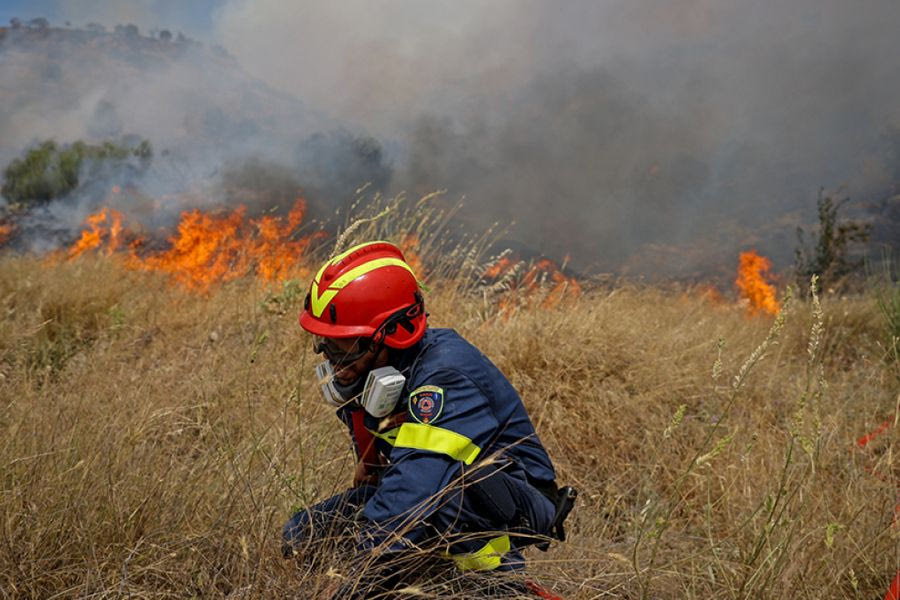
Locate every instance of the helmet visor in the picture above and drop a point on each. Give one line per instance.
(353, 349)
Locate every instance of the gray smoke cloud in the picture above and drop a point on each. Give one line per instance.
(608, 130)
(221, 137)
(637, 135)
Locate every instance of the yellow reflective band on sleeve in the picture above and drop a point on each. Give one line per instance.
(485, 559)
(389, 436)
(436, 439)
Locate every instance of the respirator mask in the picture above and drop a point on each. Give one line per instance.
(377, 393)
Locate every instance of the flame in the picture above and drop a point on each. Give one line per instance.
(6, 232)
(409, 245)
(499, 268)
(276, 255)
(205, 249)
(751, 282)
(542, 281)
(105, 224)
(547, 273)
(208, 248)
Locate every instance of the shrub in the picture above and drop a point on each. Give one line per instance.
(830, 258)
(50, 171)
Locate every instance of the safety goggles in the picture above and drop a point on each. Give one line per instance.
(338, 357)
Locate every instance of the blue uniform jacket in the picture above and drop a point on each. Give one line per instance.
(457, 409)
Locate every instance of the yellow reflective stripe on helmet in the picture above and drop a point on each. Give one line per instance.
(486, 558)
(320, 301)
(368, 267)
(344, 255)
(436, 439)
(347, 253)
(389, 436)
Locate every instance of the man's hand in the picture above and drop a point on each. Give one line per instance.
(365, 474)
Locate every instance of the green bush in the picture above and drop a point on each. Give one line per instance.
(830, 257)
(50, 171)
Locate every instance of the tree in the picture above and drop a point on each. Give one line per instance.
(830, 256)
(131, 30)
(49, 171)
(39, 23)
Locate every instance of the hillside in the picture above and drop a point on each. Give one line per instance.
(219, 137)
(71, 83)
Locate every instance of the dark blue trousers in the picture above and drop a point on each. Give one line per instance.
(492, 502)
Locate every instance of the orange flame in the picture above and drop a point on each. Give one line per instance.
(209, 248)
(98, 229)
(499, 268)
(751, 282)
(5, 232)
(410, 248)
(546, 273)
(206, 249)
(542, 281)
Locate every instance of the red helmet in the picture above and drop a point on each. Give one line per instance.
(368, 291)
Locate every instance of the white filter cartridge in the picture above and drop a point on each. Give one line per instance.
(383, 389)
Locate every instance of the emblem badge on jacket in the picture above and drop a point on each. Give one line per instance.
(426, 404)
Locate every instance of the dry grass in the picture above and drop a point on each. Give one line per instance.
(154, 441)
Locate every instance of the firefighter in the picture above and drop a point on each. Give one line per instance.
(447, 455)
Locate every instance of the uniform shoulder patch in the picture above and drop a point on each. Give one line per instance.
(426, 403)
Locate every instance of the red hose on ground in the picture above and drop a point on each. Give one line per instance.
(893, 592)
(542, 593)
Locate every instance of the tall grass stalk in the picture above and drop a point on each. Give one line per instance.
(658, 515)
(154, 440)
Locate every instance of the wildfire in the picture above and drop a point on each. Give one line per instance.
(500, 267)
(208, 248)
(5, 232)
(410, 248)
(106, 224)
(521, 283)
(751, 282)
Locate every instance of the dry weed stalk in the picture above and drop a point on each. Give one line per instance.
(154, 441)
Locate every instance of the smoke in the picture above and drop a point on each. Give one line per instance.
(637, 135)
(600, 128)
(220, 136)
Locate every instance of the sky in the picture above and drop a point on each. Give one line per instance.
(193, 17)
